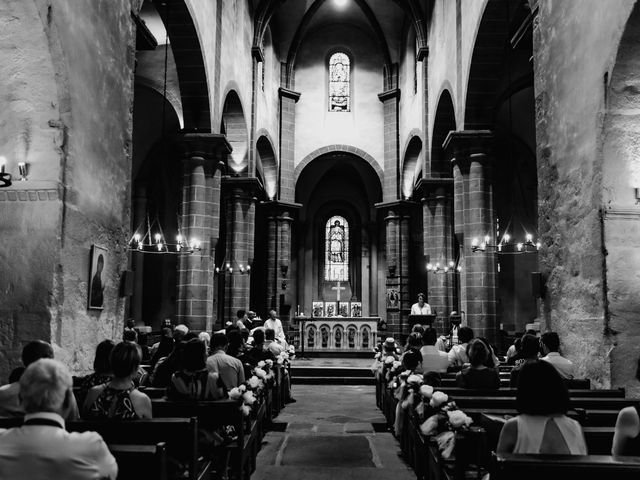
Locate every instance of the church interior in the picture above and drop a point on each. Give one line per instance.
(171, 162)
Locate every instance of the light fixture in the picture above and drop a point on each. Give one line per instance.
(156, 242)
(340, 3)
(233, 268)
(505, 246)
(5, 178)
(445, 267)
(23, 169)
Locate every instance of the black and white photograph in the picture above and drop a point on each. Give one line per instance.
(302, 239)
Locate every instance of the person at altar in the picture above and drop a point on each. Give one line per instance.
(421, 307)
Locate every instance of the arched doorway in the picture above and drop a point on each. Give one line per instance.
(337, 236)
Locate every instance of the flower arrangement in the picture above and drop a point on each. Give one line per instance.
(248, 393)
(443, 418)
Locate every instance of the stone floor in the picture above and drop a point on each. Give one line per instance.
(330, 434)
(334, 362)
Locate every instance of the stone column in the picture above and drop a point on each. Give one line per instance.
(240, 203)
(139, 225)
(288, 100)
(397, 216)
(422, 56)
(202, 157)
(280, 218)
(438, 242)
(471, 154)
(372, 308)
(391, 187)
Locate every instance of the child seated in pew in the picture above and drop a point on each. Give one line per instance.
(626, 438)
(119, 399)
(542, 427)
(478, 375)
(193, 381)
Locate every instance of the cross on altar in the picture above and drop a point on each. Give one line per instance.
(338, 288)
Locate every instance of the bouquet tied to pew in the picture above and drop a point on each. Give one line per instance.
(252, 390)
(443, 419)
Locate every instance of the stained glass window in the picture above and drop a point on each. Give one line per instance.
(336, 260)
(339, 83)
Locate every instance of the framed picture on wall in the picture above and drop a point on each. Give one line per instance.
(330, 309)
(356, 309)
(318, 309)
(343, 309)
(97, 277)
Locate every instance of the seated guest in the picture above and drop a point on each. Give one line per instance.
(153, 351)
(542, 427)
(205, 338)
(626, 438)
(417, 328)
(513, 353)
(270, 343)
(228, 368)
(458, 353)
(550, 343)
(242, 319)
(411, 361)
(101, 367)
(165, 347)
(41, 448)
(530, 346)
(235, 347)
(179, 332)
(258, 353)
(119, 398)
(193, 381)
(10, 405)
(433, 360)
(167, 366)
(414, 342)
(478, 375)
(492, 359)
(131, 335)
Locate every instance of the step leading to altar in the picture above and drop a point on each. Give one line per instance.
(332, 371)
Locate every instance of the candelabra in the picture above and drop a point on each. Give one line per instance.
(505, 245)
(157, 244)
(449, 267)
(228, 267)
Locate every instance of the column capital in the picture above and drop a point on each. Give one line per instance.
(435, 188)
(248, 185)
(392, 94)
(208, 146)
(396, 208)
(423, 54)
(463, 144)
(286, 93)
(283, 210)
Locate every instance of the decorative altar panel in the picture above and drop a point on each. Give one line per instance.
(340, 333)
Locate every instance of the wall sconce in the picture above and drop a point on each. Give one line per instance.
(637, 192)
(5, 178)
(284, 269)
(23, 169)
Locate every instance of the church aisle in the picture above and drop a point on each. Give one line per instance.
(330, 434)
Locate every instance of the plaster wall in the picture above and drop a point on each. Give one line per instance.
(363, 126)
(575, 44)
(410, 100)
(268, 108)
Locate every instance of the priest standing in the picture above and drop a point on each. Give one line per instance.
(274, 323)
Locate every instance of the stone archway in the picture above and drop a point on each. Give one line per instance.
(234, 126)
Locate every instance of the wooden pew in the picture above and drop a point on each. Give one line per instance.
(179, 434)
(511, 392)
(562, 467)
(510, 402)
(214, 414)
(140, 462)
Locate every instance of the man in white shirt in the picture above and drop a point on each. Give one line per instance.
(230, 369)
(458, 353)
(421, 307)
(550, 345)
(433, 360)
(42, 448)
(275, 324)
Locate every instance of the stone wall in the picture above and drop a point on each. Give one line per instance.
(66, 96)
(575, 45)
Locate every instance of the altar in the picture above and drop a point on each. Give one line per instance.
(336, 334)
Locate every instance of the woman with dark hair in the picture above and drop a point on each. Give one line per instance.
(119, 399)
(492, 360)
(542, 401)
(478, 375)
(101, 367)
(529, 350)
(414, 342)
(193, 381)
(626, 438)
